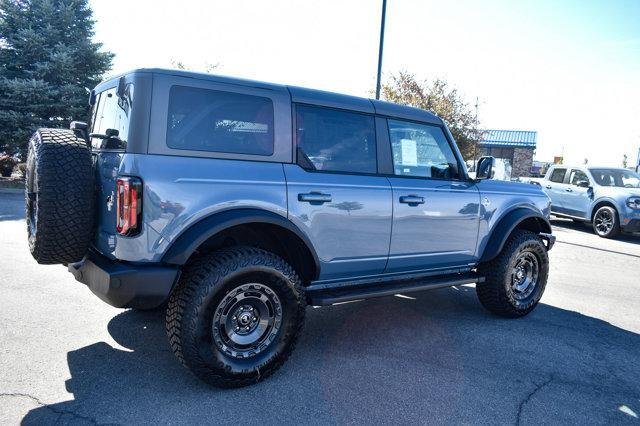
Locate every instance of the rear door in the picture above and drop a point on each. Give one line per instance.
(556, 188)
(435, 212)
(334, 193)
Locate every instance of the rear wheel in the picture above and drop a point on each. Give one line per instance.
(515, 280)
(606, 223)
(59, 196)
(235, 316)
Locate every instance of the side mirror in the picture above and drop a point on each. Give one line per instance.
(122, 87)
(583, 183)
(80, 129)
(484, 169)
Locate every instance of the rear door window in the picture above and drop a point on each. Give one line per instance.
(335, 140)
(557, 175)
(211, 120)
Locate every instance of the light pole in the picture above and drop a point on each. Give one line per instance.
(384, 13)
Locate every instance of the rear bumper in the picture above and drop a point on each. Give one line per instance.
(124, 285)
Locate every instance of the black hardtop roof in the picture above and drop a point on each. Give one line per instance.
(302, 95)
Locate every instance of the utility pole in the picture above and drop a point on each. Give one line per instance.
(384, 13)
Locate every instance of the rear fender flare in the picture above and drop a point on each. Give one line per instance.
(189, 241)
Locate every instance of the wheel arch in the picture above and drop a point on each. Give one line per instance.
(519, 218)
(256, 227)
(600, 203)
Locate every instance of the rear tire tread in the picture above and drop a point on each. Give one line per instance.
(196, 283)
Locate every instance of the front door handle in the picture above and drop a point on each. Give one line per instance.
(315, 198)
(569, 190)
(548, 186)
(412, 200)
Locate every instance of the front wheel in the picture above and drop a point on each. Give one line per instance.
(515, 280)
(606, 223)
(235, 316)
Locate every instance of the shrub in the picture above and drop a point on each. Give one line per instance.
(6, 165)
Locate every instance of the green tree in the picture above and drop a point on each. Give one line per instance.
(437, 97)
(48, 64)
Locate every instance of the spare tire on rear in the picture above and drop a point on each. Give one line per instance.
(59, 196)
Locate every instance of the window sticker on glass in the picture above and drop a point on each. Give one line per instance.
(409, 152)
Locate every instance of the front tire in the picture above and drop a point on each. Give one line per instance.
(515, 280)
(235, 316)
(606, 223)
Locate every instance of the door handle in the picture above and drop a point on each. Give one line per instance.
(548, 186)
(569, 190)
(412, 200)
(315, 198)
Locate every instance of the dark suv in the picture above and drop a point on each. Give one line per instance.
(234, 204)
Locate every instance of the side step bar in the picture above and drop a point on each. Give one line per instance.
(325, 297)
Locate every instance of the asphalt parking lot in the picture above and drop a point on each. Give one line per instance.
(437, 357)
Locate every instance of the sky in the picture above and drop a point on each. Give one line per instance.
(569, 70)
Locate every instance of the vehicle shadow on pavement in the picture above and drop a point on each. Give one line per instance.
(436, 357)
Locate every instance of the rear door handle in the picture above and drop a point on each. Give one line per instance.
(315, 198)
(569, 190)
(548, 186)
(412, 200)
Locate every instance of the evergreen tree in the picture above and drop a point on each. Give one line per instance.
(48, 64)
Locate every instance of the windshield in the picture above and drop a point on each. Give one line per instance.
(616, 177)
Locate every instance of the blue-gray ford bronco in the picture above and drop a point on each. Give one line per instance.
(234, 204)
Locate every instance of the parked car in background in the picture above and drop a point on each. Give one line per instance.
(606, 197)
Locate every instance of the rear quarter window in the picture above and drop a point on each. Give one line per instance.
(216, 121)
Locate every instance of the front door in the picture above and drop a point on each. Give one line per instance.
(435, 213)
(577, 199)
(334, 195)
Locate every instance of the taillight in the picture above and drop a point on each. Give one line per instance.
(128, 205)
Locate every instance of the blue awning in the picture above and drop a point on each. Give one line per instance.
(509, 139)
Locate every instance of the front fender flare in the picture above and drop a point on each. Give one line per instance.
(505, 227)
(189, 241)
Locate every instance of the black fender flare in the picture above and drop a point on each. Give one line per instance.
(505, 227)
(187, 243)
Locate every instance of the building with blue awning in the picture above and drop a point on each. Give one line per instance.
(514, 146)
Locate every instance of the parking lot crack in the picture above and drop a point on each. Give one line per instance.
(524, 402)
(54, 410)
